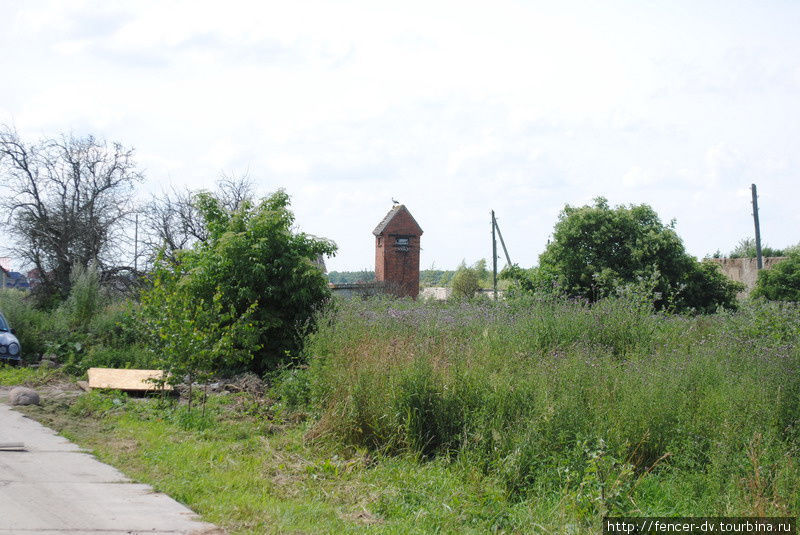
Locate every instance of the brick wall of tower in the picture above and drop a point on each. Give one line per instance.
(398, 264)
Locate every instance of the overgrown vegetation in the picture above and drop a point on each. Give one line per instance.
(427, 277)
(611, 406)
(746, 248)
(88, 329)
(245, 295)
(597, 388)
(468, 281)
(350, 277)
(782, 282)
(531, 415)
(597, 250)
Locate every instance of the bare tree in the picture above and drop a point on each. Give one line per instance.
(172, 221)
(234, 191)
(65, 202)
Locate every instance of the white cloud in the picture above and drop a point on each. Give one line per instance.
(637, 177)
(454, 107)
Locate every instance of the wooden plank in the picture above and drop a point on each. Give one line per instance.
(125, 379)
(84, 385)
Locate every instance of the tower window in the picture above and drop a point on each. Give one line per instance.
(402, 243)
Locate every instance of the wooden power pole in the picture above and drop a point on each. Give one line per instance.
(494, 257)
(759, 259)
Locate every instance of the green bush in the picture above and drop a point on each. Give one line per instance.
(466, 282)
(77, 360)
(746, 248)
(782, 282)
(597, 249)
(242, 299)
(117, 325)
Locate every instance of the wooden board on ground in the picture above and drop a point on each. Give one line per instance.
(137, 380)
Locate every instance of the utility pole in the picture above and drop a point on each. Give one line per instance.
(496, 229)
(759, 259)
(494, 257)
(503, 243)
(136, 245)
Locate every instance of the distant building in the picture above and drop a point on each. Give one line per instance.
(397, 249)
(16, 280)
(11, 279)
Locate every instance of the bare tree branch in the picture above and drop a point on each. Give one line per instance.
(172, 221)
(67, 200)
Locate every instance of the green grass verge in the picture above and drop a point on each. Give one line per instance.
(19, 375)
(250, 471)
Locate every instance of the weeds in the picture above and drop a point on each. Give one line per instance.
(589, 402)
(512, 417)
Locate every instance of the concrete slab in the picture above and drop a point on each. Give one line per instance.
(55, 488)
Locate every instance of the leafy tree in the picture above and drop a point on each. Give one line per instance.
(598, 249)
(66, 200)
(484, 276)
(782, 282)
(530, 280)
(251, 265)
(194, 336)
(466, 281)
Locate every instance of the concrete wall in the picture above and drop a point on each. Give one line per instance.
(357, 289)
(745, 270)
(442, 293)
(439, 293)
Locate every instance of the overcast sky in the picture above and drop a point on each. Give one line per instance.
(453, 108)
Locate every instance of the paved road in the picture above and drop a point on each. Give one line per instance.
(53, 488)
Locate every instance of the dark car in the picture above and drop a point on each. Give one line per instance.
(9, 345)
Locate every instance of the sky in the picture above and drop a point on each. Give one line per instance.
(453, 108)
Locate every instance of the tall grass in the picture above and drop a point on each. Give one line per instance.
(612, 407)
(88, 329)
(33, 327)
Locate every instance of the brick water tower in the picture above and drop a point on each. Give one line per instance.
(397, 248)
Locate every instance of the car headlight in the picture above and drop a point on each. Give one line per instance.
(13, 349)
